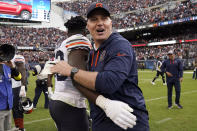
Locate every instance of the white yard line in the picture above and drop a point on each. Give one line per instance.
(30, 122)
(164, 97)
(163, 120)
(187, 72)
(153, 99)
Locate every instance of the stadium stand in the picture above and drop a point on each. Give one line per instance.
(126, 14)
(134, 13)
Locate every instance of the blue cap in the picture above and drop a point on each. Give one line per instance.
(94, 6)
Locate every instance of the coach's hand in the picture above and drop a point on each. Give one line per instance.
(62, 68)
(119, 112)
(169, 74)
(22, 92)
(181, 79)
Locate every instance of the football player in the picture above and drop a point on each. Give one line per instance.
(19, 91)
(67, 105)
(159, 72)
(41, 83)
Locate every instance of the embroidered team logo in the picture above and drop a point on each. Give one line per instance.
(121, 54)
(99, 5)
(102, 56)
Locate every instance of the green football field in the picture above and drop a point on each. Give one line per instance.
(161, 119)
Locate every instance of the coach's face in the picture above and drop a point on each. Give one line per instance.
(100, 26)
(171, 56)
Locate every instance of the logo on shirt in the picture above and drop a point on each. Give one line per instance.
(121, 54)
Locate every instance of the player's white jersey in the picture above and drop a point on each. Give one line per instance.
(64, 89)
(39, 70)
(17, 58)
(158, 66)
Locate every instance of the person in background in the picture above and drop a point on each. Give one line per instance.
(154, 65)
(195, 69)
(41, 83)
(159, 72)
(173, 68)
(27, 68)
(19, 91)
(7, 71)
(111, 84)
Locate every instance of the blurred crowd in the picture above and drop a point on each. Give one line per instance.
(183, 51)
(132, 13)
(39, 37)
(33, 56)
(32, 37)
(136, 12)
(51, 37)
(117, 6)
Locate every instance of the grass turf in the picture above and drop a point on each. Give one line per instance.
(161, 119)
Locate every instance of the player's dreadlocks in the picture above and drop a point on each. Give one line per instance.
(76, 24)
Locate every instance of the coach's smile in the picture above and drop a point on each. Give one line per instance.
(100, 31)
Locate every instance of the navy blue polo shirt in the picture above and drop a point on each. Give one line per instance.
(117, 78)
(175, 67)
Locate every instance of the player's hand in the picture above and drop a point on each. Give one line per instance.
(50, 92)
(62, 68)
(169, 74)
(119, 112)
(22, 92)
(47, 67)
(181, 79)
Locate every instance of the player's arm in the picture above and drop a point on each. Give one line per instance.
(50, 85)
(49, 80)
(21, 68)
(78, 58)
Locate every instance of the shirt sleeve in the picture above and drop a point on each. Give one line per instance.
(180, 69)
(116, 69)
